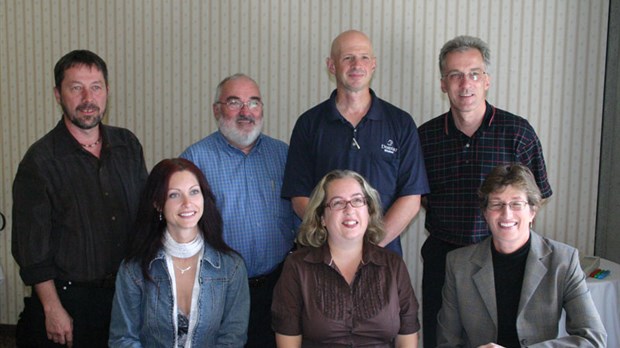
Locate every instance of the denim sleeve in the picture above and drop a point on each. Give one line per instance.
(234, 324)
(126, 309)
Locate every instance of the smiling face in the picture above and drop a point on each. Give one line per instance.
(83, 96)
(466, 96)
(184, 206)
(510, 228)
(352, 61)
(349, 224)
(240, 127)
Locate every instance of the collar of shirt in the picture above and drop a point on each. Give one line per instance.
(322, 254)
(66, 144)
(373, 113)
(489, 116)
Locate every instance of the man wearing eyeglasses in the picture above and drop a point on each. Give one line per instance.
(356, 130)
(460, 149)
(245, 169)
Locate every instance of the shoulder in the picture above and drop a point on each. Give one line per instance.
(391, 112)
(505, 117)
(119, 135)
(273, 142)
(315, 114)
(558, 250)
(434, 124)
(382, 256)
(205, 147)
(226, 262)
(464, 254)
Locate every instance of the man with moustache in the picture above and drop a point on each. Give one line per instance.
(245, 169)
(356, 130)
(75, 197)
(460, 148)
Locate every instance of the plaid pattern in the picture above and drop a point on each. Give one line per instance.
(258, 223)
(456, 166)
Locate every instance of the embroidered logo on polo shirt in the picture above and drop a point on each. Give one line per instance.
(389, 147)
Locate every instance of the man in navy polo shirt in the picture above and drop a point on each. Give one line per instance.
(356, 130)
(460, 148)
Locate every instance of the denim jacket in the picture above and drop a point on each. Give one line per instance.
(142, 311)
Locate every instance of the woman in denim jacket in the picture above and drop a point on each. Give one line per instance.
(181, 285)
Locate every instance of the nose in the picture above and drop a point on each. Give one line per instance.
(87, 94)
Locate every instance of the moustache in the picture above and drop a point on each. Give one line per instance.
(86, 106)
(245, 118)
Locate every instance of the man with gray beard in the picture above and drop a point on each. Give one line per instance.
(75, 199)
(245, 169)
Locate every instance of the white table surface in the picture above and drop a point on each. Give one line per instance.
(606, 297)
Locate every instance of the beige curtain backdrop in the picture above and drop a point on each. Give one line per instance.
(165, 58)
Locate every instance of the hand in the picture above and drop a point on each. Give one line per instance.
(491, 345)
(59, 326)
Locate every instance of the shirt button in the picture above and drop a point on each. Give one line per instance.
(113, 218)
(467, 145)
(106, 194)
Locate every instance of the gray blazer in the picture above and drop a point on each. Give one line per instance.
(553, 280)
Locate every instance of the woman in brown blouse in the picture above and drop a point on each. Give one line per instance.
(342, 289)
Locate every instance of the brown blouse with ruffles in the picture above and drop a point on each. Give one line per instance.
(314, 300)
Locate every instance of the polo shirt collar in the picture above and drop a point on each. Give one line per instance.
(489, 117)
(374, 113)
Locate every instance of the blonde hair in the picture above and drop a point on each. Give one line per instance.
(312, 233)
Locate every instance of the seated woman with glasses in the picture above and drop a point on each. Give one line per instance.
(341, 289)
(181, 284)
(510, 289)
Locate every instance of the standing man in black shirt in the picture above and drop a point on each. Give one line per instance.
(75, 197)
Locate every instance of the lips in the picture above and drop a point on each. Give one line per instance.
(507, 224)
(188, 214)
(88, 108)
(350, 223)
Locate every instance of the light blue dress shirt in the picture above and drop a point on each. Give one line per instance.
(258, 223)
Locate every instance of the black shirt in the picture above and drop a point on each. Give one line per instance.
(508, 270)
(73, 212)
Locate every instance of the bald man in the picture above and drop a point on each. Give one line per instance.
(356, 130)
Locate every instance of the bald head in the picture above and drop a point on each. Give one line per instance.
(349, 37)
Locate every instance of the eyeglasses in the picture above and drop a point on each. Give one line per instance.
(457, 76)
(514, 205)
(340, 204)
(236, 104)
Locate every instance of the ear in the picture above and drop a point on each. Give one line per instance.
(322, 221)
(57, 95)
(330, 65)
(444, 88)
(487, 82)
(216, 111)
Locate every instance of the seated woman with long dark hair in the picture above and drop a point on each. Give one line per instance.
(180, 285)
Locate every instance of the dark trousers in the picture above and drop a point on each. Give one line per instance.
(433, 276)
(90, 309)
(260, 333)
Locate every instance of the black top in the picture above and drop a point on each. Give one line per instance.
(508, 270)
(73, 212)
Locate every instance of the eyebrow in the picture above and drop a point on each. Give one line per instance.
(234, 97)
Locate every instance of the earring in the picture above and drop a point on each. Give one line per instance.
(161, 217)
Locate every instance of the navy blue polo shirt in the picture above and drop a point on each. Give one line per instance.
(384, 148)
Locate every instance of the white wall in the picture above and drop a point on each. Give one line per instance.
(165, 58)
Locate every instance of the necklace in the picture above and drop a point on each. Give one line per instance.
(93, 144)
(183, 270)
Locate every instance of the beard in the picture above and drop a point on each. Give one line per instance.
(233, 134)
(84, 122)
